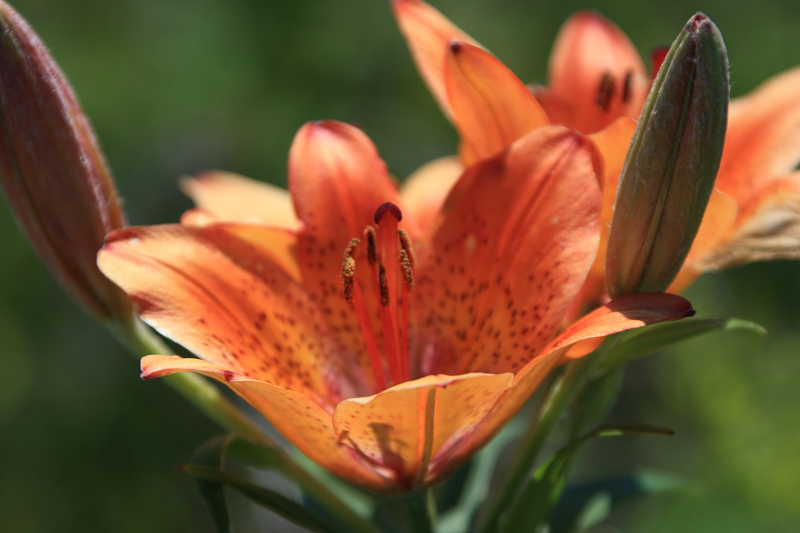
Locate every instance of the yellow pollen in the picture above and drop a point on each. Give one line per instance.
(349, 269)
(407, 265)
(405, 245)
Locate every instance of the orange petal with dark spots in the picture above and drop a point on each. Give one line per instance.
(625, 313)
(491, 107)
(598, 72)
(428, 34)
(763, 139)
(405, 429)
(518, 235)
(295, 415)
(233, 198)
(337, 180)
(231, 302)
(424, 192)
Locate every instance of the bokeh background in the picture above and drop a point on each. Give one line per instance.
(178, 86)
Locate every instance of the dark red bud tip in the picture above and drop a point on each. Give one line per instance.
(456, 46)
(696, 21)
(388, 207)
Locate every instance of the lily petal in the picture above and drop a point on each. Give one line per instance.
(768, 227)
(404, 428)
(429, 33)
(625, 313)
(233, 198)
(337, 181)
(763, 140)
(505, 262)
(424, 192)
(595, 67)
(230, 302)
(302, 421)
(491, 107)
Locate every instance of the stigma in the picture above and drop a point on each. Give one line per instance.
(387, 285)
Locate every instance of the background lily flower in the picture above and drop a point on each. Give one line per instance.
(386, 351)
(598, 84)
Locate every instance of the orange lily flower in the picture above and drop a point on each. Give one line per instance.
(386, 364)
(598, 84)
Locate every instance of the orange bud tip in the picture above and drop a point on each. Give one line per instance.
(456, 46)
(388, 207)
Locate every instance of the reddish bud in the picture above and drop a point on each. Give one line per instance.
(52, 169)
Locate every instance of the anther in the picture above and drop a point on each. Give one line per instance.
(407, 266)
(372, 244)
(405, 244)
(627, 86)
(605, 91)
(349, 269)
(384, 285)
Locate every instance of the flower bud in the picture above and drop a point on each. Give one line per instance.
(672, 163)
(52, 169)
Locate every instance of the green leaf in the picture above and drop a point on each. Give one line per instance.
(543, 492)
(628, 346)
(270, 499)
(211, 454)
(479, 481)
(573, 510)
(596, 510)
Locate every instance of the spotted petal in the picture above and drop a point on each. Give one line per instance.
(596, 70)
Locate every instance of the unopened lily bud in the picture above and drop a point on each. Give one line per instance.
(52, 169)
(672, 163)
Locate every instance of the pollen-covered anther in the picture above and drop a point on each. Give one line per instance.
(349, 269)
(372, 244)
(407, 266)
(405, 245)
(384, 285)
(605, 91)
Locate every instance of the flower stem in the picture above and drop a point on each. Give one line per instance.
(561, 395)
(213, 403)
(140, 340)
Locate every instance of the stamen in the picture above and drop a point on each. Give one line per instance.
(349, 269)
(383, 284)
(405, 244)
(372, 244)
(407, 265)
(605, 91)
(627, 87)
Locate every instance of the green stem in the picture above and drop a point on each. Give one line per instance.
(211, 401)
(560, 397)
(422, 510)
(140, 340)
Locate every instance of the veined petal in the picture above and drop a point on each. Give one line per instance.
(429, 34)
(230, 197)
(596, 69)
(406, 427)
(230, 302)
(491, 107)
(625, 313)
(425, 190)
(768, 227)
(763, 140)
(337, 181)
(518, 235)
(302, 421)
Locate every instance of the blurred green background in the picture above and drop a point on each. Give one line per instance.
(178, 86)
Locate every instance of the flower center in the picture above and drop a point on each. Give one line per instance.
(390, 280)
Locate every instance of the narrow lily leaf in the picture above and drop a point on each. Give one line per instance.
(211, 454)
(596, 401)
(274, 501)
(672, 163)
(644, 341)
(573, 510)
(544, 491)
